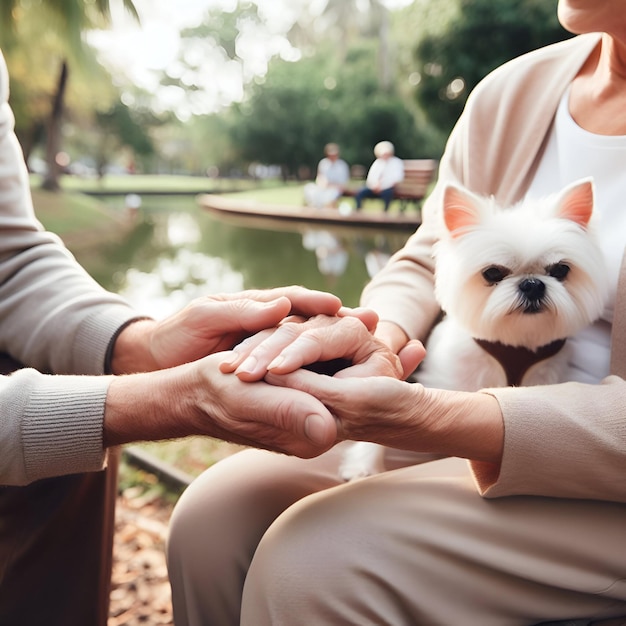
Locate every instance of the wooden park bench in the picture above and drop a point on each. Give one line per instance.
(418, 175)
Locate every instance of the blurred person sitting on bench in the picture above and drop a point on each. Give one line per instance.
(384, 174)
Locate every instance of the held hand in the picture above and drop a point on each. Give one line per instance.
(322, 339)
(197, 399)
(411, 353)
(212, 324)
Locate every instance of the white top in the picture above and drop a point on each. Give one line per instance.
(335, 172)
(573, 153)
(385, 173)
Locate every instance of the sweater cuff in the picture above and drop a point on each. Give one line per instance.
(63, 423)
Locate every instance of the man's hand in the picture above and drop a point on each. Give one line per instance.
(212, 324)
(197, 399)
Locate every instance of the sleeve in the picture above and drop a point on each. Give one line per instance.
(373, 173)
(345, 173)
(403, 291)
(50, 425)
(322, 169)
(564, 441)
(54, 316)
(398, 171)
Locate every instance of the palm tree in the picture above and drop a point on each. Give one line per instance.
(67, 19)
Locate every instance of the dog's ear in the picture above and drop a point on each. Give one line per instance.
(575, 202)
(461, 210)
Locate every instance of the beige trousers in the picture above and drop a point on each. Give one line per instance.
(264, 539)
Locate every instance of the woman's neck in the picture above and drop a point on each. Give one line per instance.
(598, 96)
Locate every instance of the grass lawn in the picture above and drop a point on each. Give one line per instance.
(291, 194)
(72, 214)
(160, 183)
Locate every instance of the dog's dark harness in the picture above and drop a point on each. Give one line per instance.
(516, 361)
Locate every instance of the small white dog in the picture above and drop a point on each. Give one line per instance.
(513, 285)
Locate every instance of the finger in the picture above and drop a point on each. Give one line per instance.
(254, 366)
(242, 350)
(288, 421)
(300, 420)
(217, 314)
(379, 363)
(367, 316)
(325, 388)
(303, 301)
(309, 302)
(411, 355)
(252, 316)
(345, 339)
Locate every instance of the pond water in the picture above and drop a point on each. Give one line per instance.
(176, 251)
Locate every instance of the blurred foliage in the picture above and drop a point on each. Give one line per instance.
(364, 74)
(44, 40)
(34, 69)
(67, 19)
(124, 127)
(457, 47)
(299, 107)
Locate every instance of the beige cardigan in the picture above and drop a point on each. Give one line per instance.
(565, 440)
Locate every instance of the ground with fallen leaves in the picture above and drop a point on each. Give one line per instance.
(140, 590)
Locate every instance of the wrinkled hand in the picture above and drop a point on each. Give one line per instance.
(378, 408)
(297, 343)
(408, 416)
(197, 399)
(260, 415)
(212, 324)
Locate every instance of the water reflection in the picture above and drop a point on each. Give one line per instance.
(173, 282)
(176, 252)
(332, 257)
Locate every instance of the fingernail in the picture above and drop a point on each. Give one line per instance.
(315, 428)
(276, 362)
(248, 365)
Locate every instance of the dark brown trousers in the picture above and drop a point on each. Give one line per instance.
(56, 546)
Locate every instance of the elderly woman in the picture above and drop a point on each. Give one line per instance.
(333, 174)
(532, 526)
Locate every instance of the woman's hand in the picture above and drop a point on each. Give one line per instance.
(323, 339)
(407, 415)
(212, 324)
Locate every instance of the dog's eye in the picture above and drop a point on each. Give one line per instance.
(494, 274)
(558, 271)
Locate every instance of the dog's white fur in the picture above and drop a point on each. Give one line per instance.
(534, 241)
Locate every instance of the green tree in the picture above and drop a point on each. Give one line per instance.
(301, 106)
(120, 126)
(467, 40)
(59, 23)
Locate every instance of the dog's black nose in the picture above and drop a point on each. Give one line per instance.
(532, 288)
